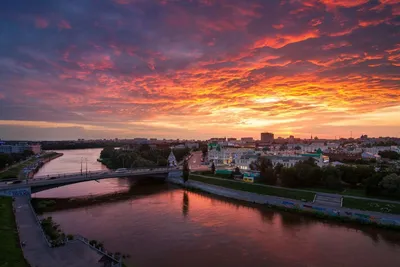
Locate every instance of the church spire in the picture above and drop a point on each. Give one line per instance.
(171, 159)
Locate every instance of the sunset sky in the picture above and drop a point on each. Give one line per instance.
(199, 68)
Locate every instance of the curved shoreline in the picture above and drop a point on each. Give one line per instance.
(41, 163)
(342, 215)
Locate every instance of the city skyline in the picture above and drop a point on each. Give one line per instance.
(199, 69)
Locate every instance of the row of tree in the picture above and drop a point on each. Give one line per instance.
(9, 159)
(307, 174)
(143, 156)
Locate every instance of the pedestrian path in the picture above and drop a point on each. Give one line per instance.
(36, 250)
(328, 200)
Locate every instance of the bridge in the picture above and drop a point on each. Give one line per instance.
(41, 183)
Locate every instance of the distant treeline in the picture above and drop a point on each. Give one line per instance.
(142, 156)
(80, 145)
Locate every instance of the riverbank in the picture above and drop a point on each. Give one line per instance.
(33, 164)
(344, 215)
(349, 201)
(10, 250)
(43, 160)
(43, 205)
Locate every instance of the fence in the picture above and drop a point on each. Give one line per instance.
(117, 262)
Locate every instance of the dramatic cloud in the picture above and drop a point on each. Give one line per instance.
(200, 68)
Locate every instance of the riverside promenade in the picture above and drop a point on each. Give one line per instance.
(357, 215)
(36, 250)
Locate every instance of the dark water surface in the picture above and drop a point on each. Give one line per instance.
(162, 225)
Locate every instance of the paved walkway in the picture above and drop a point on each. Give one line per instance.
(36, 250)
(264, 199)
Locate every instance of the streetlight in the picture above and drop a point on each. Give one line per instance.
(81, 164)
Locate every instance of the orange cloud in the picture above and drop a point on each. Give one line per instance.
(281, 40)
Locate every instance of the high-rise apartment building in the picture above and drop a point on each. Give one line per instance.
(267, 137)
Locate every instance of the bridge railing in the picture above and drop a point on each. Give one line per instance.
(105, 172)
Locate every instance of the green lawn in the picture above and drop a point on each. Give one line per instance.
(363, 204)
(14, 171)
(10, 251)
(254, 188)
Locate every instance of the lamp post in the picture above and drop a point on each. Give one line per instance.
(86, 166)
(81, 165)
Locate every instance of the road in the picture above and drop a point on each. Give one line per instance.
(195, 162)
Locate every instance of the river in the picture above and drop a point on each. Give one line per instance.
(164, 225)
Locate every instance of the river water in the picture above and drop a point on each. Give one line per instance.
(163, 225)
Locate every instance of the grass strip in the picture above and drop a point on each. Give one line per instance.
(254, 188)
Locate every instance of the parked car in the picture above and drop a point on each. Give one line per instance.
(121, 170)
(17, 182)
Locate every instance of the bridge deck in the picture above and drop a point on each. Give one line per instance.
(69, 178)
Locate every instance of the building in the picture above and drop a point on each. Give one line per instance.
(369, 155)
(247, 139)
(224, 155)
(218, 139)
(267, 137)
(192, 145)
(6, 149)
(245, 160)
(19, 148)
(36, 149)
(230, 139)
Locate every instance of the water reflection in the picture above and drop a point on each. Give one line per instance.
(211, 231)
(185, 204)
(163, 225)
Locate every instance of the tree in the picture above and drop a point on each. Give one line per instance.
(204, 151)
(288, 177)
(5, 160)
(28, 153)
(236, 172)
(348, 175)
(278, 168)
(107, 152)
(297, 148)
(391, 184)
(213, 168)
(265, 167)
(308, 173)
(331, 178)
(387, 154)
(372, 184)
(185, 171)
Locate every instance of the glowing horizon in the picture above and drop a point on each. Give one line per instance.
(199, 69)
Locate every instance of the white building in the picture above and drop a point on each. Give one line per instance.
(221, 155)
(19, 148)
(377, 149)
(286, 161)
(369, 155)
(245, 160)
(192, 145)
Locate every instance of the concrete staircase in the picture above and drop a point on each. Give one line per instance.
(328, 200)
